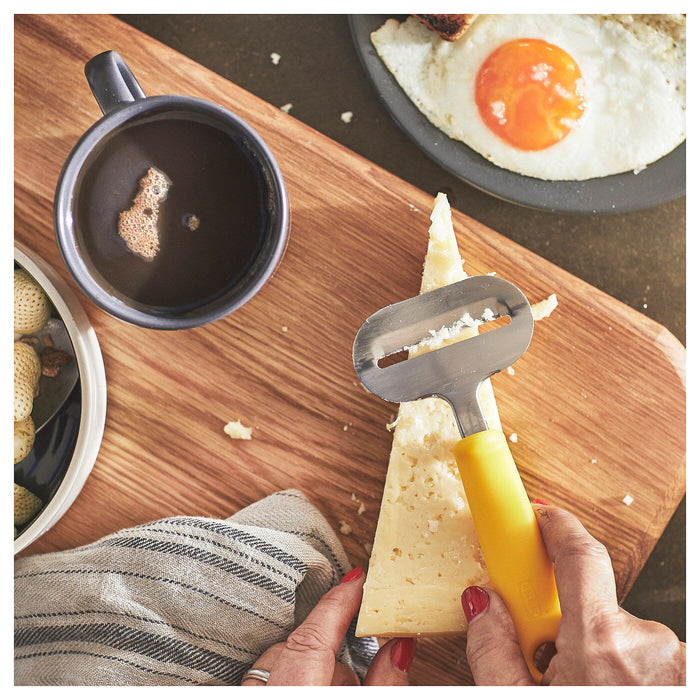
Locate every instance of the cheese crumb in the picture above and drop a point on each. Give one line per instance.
(275, 57)
(513, 437)
(353, 497)
(237, 431)
(286, 108)
(510, 370)
(361, 509)
(345, 529)
(627, 500)
(284, 329)
(542, 309)
(347, 117)
(436, 338)
(594, 461)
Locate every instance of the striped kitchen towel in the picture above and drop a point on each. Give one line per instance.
(179, 601)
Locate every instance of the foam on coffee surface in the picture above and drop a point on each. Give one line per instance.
(138, 225)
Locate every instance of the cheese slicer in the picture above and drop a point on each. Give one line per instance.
(515, 556)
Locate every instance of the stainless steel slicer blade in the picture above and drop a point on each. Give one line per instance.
(453, 372)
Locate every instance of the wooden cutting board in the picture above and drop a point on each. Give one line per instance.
(598, 401)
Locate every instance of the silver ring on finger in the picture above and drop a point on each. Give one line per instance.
(256, 674)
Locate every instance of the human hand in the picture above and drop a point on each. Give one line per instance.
(308, 655)
(598, 643)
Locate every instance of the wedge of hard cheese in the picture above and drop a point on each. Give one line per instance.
(425, 548)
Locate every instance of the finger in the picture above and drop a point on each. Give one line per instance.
(582, 567)
(493, 651)
(391, 664)
(308, 656)
(342, 675)
(265, 663)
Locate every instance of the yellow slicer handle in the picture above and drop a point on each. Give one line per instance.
(517, 562)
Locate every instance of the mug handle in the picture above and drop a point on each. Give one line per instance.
(111, 81)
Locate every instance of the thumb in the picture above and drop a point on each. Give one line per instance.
(391, 663)
(493, 651)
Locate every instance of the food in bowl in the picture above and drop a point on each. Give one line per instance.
(32, 314)
(27, 505)
(27, 368)
(32, 310)
(32, 307)
(64, 450)
(24, 438)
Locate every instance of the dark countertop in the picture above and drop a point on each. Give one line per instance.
(638, 257)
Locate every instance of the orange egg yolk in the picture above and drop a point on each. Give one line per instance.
(530, 93)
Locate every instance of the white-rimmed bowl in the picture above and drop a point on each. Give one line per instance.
(93, 394)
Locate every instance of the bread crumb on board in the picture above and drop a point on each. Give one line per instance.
(345, 529)
(286, 107)
(628, 500)
(347, 117)
(275, 57)
(237, 431)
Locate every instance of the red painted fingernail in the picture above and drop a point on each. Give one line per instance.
(402, 653)
(540, 502)
(352, 575)
(474, 601)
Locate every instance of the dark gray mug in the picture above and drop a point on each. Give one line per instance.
(125, 108)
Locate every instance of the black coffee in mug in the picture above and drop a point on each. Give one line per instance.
(208, 216)
(170, 211)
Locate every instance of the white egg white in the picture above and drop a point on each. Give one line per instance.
(634, 75)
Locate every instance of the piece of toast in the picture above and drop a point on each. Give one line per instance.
(449, 27)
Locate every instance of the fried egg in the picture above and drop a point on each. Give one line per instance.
(556, 97)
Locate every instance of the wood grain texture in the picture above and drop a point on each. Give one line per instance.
(598, 402)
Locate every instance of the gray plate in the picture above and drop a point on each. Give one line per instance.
(660, 182)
